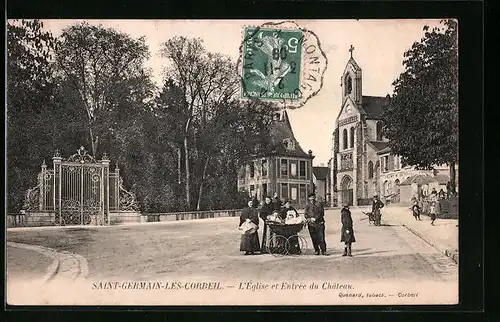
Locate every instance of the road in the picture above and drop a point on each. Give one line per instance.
(209, 250)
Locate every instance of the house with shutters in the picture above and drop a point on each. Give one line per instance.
(286, 169)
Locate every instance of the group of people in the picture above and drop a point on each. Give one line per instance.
(314, 215)
(428, 205)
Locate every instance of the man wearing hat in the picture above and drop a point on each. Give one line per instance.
(315, 214)
(376, 206)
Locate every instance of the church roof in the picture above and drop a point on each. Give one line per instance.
(280, 131)
(321, 173)
(354, 64)
(379, 145)
(373, 106)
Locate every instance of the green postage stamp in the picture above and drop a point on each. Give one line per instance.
(281, 62)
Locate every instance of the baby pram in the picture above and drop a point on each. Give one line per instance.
(285, 239)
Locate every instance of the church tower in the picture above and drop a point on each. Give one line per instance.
(348, 142)
(351, 81)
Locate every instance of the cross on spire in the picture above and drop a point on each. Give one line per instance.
(351, 49)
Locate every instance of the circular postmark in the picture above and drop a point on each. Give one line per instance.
(281, 63)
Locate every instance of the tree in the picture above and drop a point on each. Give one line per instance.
(421, 119)
(206, 82)
(98, 63)
(30, 94)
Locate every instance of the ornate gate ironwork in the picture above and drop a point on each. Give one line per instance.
(79, 190)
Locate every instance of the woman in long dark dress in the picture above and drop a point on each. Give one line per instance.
(266, 210)
(347, 231)
(250, 242)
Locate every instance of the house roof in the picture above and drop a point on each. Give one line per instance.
(321, 173)
(422, 179)
(373, 106)
(281, 130)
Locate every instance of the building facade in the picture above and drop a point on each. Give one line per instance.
(362, 162)
(286, 170)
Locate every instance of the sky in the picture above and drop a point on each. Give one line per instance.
(378, 49)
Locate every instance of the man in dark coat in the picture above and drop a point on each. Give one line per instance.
(376, 206)
(266, 210)
(315, 214)
(347, 231)
(250, 242)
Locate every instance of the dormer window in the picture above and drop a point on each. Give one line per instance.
(289, 144)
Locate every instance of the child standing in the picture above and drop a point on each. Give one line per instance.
(433, 212)
(416, 210)
(347, 231)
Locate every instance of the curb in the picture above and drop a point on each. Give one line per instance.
(453, 255)
(52, 269)
(65, 263)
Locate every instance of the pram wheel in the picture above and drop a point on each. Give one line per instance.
(277, 246)
(296, 245)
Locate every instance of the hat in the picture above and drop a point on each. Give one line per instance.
(286, 200)
(345, 204)
(312, 195)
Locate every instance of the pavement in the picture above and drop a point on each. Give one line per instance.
(199, 250)
(443, 235)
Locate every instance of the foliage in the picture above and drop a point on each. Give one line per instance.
(89, 87)
(30, 91)
(217, 128)
(421, 120)
(105, 67)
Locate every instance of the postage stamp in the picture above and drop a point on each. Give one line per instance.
(281, 62)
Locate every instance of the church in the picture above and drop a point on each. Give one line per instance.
(362, 162)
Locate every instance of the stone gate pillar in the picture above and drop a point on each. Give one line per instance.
(56, 159)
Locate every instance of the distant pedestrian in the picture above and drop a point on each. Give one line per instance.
(347, 231)
(266, 210)
(250, 240)
(376, 206)
(315, 215)
(416, 210)
(432, 211)
(442, 194)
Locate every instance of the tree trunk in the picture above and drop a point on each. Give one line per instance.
(93, 142)
(452, 178)
(200, 191)
(188, 174)
(179, 165)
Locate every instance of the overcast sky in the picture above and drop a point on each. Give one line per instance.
(379, 47)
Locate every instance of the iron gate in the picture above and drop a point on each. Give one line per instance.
(79, 190)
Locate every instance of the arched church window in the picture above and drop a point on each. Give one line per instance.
(352, 137)
(370, 170)
(379, 131)
(348, 84)
(344, 135)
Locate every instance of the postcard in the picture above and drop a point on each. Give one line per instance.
(232, 162)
